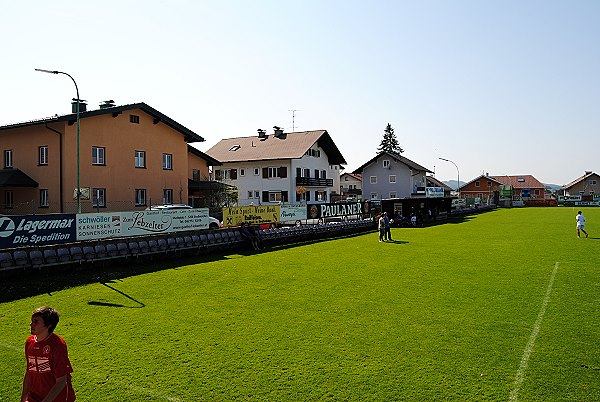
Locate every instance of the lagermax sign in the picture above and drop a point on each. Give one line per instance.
(30, 230)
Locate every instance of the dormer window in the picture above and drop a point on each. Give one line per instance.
(234, 148)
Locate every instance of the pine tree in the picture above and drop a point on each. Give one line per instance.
(389, 142)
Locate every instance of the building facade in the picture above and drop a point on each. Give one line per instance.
(588, 184)
(130, 157)
(279, 167)
(390, 175)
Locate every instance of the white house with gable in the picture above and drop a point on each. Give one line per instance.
(279, 167)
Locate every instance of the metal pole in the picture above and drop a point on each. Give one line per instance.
(78, 193)
(457, 175)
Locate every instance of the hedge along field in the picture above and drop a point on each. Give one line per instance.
(500, 306)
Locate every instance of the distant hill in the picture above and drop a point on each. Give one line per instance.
(452, 183)
(554, 187)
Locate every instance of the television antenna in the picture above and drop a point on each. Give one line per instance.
(294, 118)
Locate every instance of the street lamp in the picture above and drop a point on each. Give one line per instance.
(457, 174)
(78, 133)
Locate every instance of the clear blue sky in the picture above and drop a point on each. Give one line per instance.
(504, 87)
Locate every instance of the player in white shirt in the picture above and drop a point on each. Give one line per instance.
(580, 224)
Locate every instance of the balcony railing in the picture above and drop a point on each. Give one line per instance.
(307, 181)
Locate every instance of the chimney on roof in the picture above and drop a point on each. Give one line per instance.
(588, 172)
(261, 133)
(107, 104)
(82, 105)
(278, 132)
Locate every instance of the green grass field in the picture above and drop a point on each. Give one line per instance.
(501, 306)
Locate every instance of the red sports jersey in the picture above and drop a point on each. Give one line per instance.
(46, 361)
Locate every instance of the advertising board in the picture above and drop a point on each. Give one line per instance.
(336, 210)
(434, 192)
(252, 214)
(36, 230)
(292, 212)
(139, 223)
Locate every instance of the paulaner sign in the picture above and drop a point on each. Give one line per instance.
(34, 230)
(333, 210)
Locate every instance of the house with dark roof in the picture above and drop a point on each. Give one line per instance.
(391, 175)
(279, 167)
(588, 184)
(129, 157)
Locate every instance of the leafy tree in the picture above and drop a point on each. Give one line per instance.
(389, 142)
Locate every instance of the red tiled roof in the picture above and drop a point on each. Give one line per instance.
(522, 181)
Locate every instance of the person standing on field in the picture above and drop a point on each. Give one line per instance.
(48, 375)
(580, 224)
(381, 227)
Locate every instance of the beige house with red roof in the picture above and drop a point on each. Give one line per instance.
(279, 167)
(588, 184)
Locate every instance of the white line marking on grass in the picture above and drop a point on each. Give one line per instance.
(141, 390)
(529, 348)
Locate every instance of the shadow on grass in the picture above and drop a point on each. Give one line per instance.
(395, 241)
(104, 304)
(23, 284)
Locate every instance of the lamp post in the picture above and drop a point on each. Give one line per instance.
(457, 175)
(78, 132)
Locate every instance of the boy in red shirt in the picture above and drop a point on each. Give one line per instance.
(48, 375)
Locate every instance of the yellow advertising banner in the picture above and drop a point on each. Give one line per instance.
(253, 214)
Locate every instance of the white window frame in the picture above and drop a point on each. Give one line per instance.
(392, 179)
(8, 158)
(592, 182)
(256, 194)
(386, 163)
(242, 172)
(374, 196)
(43, 155)
(44, 198)
(98, 155)
(167, 197)
(99, 197)
(272, 174)
(140, 159)
(167, 161)
(140, 197)
(275, 196)
(256, 171)
(373, 180)
(393, 194)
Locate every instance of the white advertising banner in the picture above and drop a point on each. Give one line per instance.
(293, 212)
(434, 192)
(139, 223)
